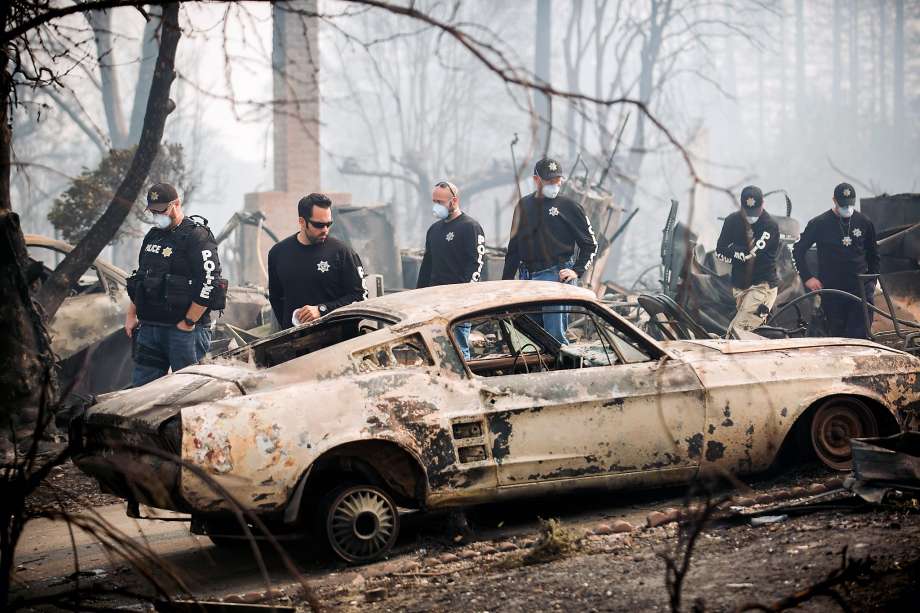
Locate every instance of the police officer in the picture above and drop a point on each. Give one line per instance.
(846, 248)
(551, 239)
(455, 249)
(750, 241)
(176, 285)
(311, 273)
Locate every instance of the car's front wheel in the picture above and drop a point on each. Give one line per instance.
(833, 425)
(360, 523)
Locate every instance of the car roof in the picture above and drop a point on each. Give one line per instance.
(37, 240)
(456, 300)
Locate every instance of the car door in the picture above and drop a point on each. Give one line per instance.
(591, 408)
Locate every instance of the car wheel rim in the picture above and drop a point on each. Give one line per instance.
(834, 425)
(361, 524)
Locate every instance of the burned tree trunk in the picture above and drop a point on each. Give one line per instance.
(835, 36)
(898, 77)
(799, 60)
(854, 58)
(541, 72)
(101, 23)
(55, 289)
(882, 57)
(24, 354)
(145, 73)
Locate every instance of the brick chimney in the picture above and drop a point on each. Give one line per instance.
(296, 123)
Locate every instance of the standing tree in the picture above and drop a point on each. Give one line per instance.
(639, 50)
(32, 32)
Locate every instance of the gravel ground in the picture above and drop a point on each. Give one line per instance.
(730, 567)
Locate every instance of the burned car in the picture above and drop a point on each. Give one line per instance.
(335, 425)
(87, 332)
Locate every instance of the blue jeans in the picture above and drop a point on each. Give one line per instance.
(462, 332)
(157, 348)
(555, 318)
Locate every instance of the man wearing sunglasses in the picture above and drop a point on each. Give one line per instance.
(175, 287)
(455, 249)
(310, 273)
(551, 239)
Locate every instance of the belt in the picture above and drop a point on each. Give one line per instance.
(541, 266)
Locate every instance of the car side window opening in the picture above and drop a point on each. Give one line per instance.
(301, 341)
(513, 341)
(410, 352)
(90, 282)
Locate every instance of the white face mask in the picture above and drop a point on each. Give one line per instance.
(846, 211)
(439, 210)
(752, 220)
(551, 191)
(162, 221)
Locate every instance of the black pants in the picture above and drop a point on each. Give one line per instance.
(845, 316)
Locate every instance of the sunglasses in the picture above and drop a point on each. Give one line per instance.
(166, 208)
(446, 185)
(319, 225)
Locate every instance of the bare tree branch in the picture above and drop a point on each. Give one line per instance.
(159, 106)
(91, 131)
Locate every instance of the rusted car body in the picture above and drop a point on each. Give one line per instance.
(373, 406)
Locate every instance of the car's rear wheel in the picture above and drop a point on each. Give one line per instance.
(833, 425)
(360, 523)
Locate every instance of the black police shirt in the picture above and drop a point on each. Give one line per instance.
(326, 275)
(751, 249)
(846, 248)
(181, 262)
(455, 250)
(545, 232)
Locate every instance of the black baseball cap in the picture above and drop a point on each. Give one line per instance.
(547, 169)
(160, 196)
(845, 195)
(751, 197)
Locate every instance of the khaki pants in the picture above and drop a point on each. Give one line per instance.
(753, 304)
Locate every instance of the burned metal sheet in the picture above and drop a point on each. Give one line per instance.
(594, 421)
(756, 390)
(367, 230)
(885, 464)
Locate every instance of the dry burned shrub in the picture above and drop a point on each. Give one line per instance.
(554, 542)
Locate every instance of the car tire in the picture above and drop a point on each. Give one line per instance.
(832, 426)
(359, 523)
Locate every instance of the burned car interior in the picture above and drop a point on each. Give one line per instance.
(289, 344)
(407, 352)
(43, 259)
(513, 341)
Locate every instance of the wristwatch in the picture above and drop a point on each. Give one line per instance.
(322, 309)
(189, 322)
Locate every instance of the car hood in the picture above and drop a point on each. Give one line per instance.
(146, 408)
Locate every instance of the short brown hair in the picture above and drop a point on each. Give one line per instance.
(306, 204)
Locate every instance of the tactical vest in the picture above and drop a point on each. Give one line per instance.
(161, 285)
